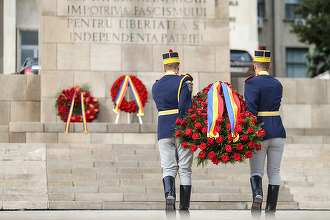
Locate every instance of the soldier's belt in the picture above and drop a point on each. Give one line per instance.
(274, 113)
(168, 112)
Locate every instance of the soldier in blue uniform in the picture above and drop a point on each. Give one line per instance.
(263, 94)
(172, 95)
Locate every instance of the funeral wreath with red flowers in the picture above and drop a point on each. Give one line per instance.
(64, 100)
(129, 106)
(192, 133)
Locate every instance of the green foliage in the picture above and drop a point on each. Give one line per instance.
(316, 32)
(317, 62)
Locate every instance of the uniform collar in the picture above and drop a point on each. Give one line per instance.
(171, 73)
(262, 73)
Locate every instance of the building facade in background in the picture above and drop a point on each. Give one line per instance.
(274, 32)
(252, 23)
(19, 30)
(268, 23)
(243, 34)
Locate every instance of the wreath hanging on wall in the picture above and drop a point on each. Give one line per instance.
(64, 100)
(139, 93)
(225, 147)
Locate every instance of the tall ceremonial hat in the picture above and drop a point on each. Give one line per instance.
(171, 57)
(262, 55)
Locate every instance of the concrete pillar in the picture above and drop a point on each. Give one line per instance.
(1, 36)
(9, 36)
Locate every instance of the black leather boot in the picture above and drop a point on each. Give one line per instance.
(256, 185)
(271, 204)
(185, 192)
(169, 190)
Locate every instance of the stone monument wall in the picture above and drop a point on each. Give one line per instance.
(96, 41)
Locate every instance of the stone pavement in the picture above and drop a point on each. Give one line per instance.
(157, 214)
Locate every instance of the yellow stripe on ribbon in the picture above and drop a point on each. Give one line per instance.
(83, 113)
(136, 97)
(121, 94)
(67, 127)
(214, 109)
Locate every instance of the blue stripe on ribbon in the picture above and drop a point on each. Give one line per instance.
(230, 110)
(210, 108)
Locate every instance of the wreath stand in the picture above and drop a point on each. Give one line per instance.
(128, 116)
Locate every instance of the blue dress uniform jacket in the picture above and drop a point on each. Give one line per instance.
(172, 94)
(263, 94)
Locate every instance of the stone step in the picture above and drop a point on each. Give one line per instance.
(91, 194)
(36, 132)
(154, 205)
(307, 131)
(59, 127)
(308, 139)
(305, 170)
(125, 176)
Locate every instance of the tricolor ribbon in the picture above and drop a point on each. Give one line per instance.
(215, 108)
(83, 113)
(70, 113)
(233, 108)
(121, 93)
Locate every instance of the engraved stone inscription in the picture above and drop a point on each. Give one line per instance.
(137, 21)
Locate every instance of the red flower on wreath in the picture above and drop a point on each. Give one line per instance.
(210, 141)
(215, 161)
(178, 133)
(189, 132)
(193, 117)
(219, 139)
(248, 154)
(64, 100)
(184, 122)
(202, 154)
(198, 126)
(131, 105)
(225, 158)
(245, 137)
(228, 148)
(239, 147)
(252, 144)
(250, 129)
(211, 155)
(202, 146)
(193, 147)
(195, 136)
(237, 157)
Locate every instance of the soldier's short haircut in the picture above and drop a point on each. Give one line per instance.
(171, 66)
(262, 65)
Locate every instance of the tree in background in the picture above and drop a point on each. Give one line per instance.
(316, 32)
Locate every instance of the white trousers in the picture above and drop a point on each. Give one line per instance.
(175, 159)
(273, 149)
